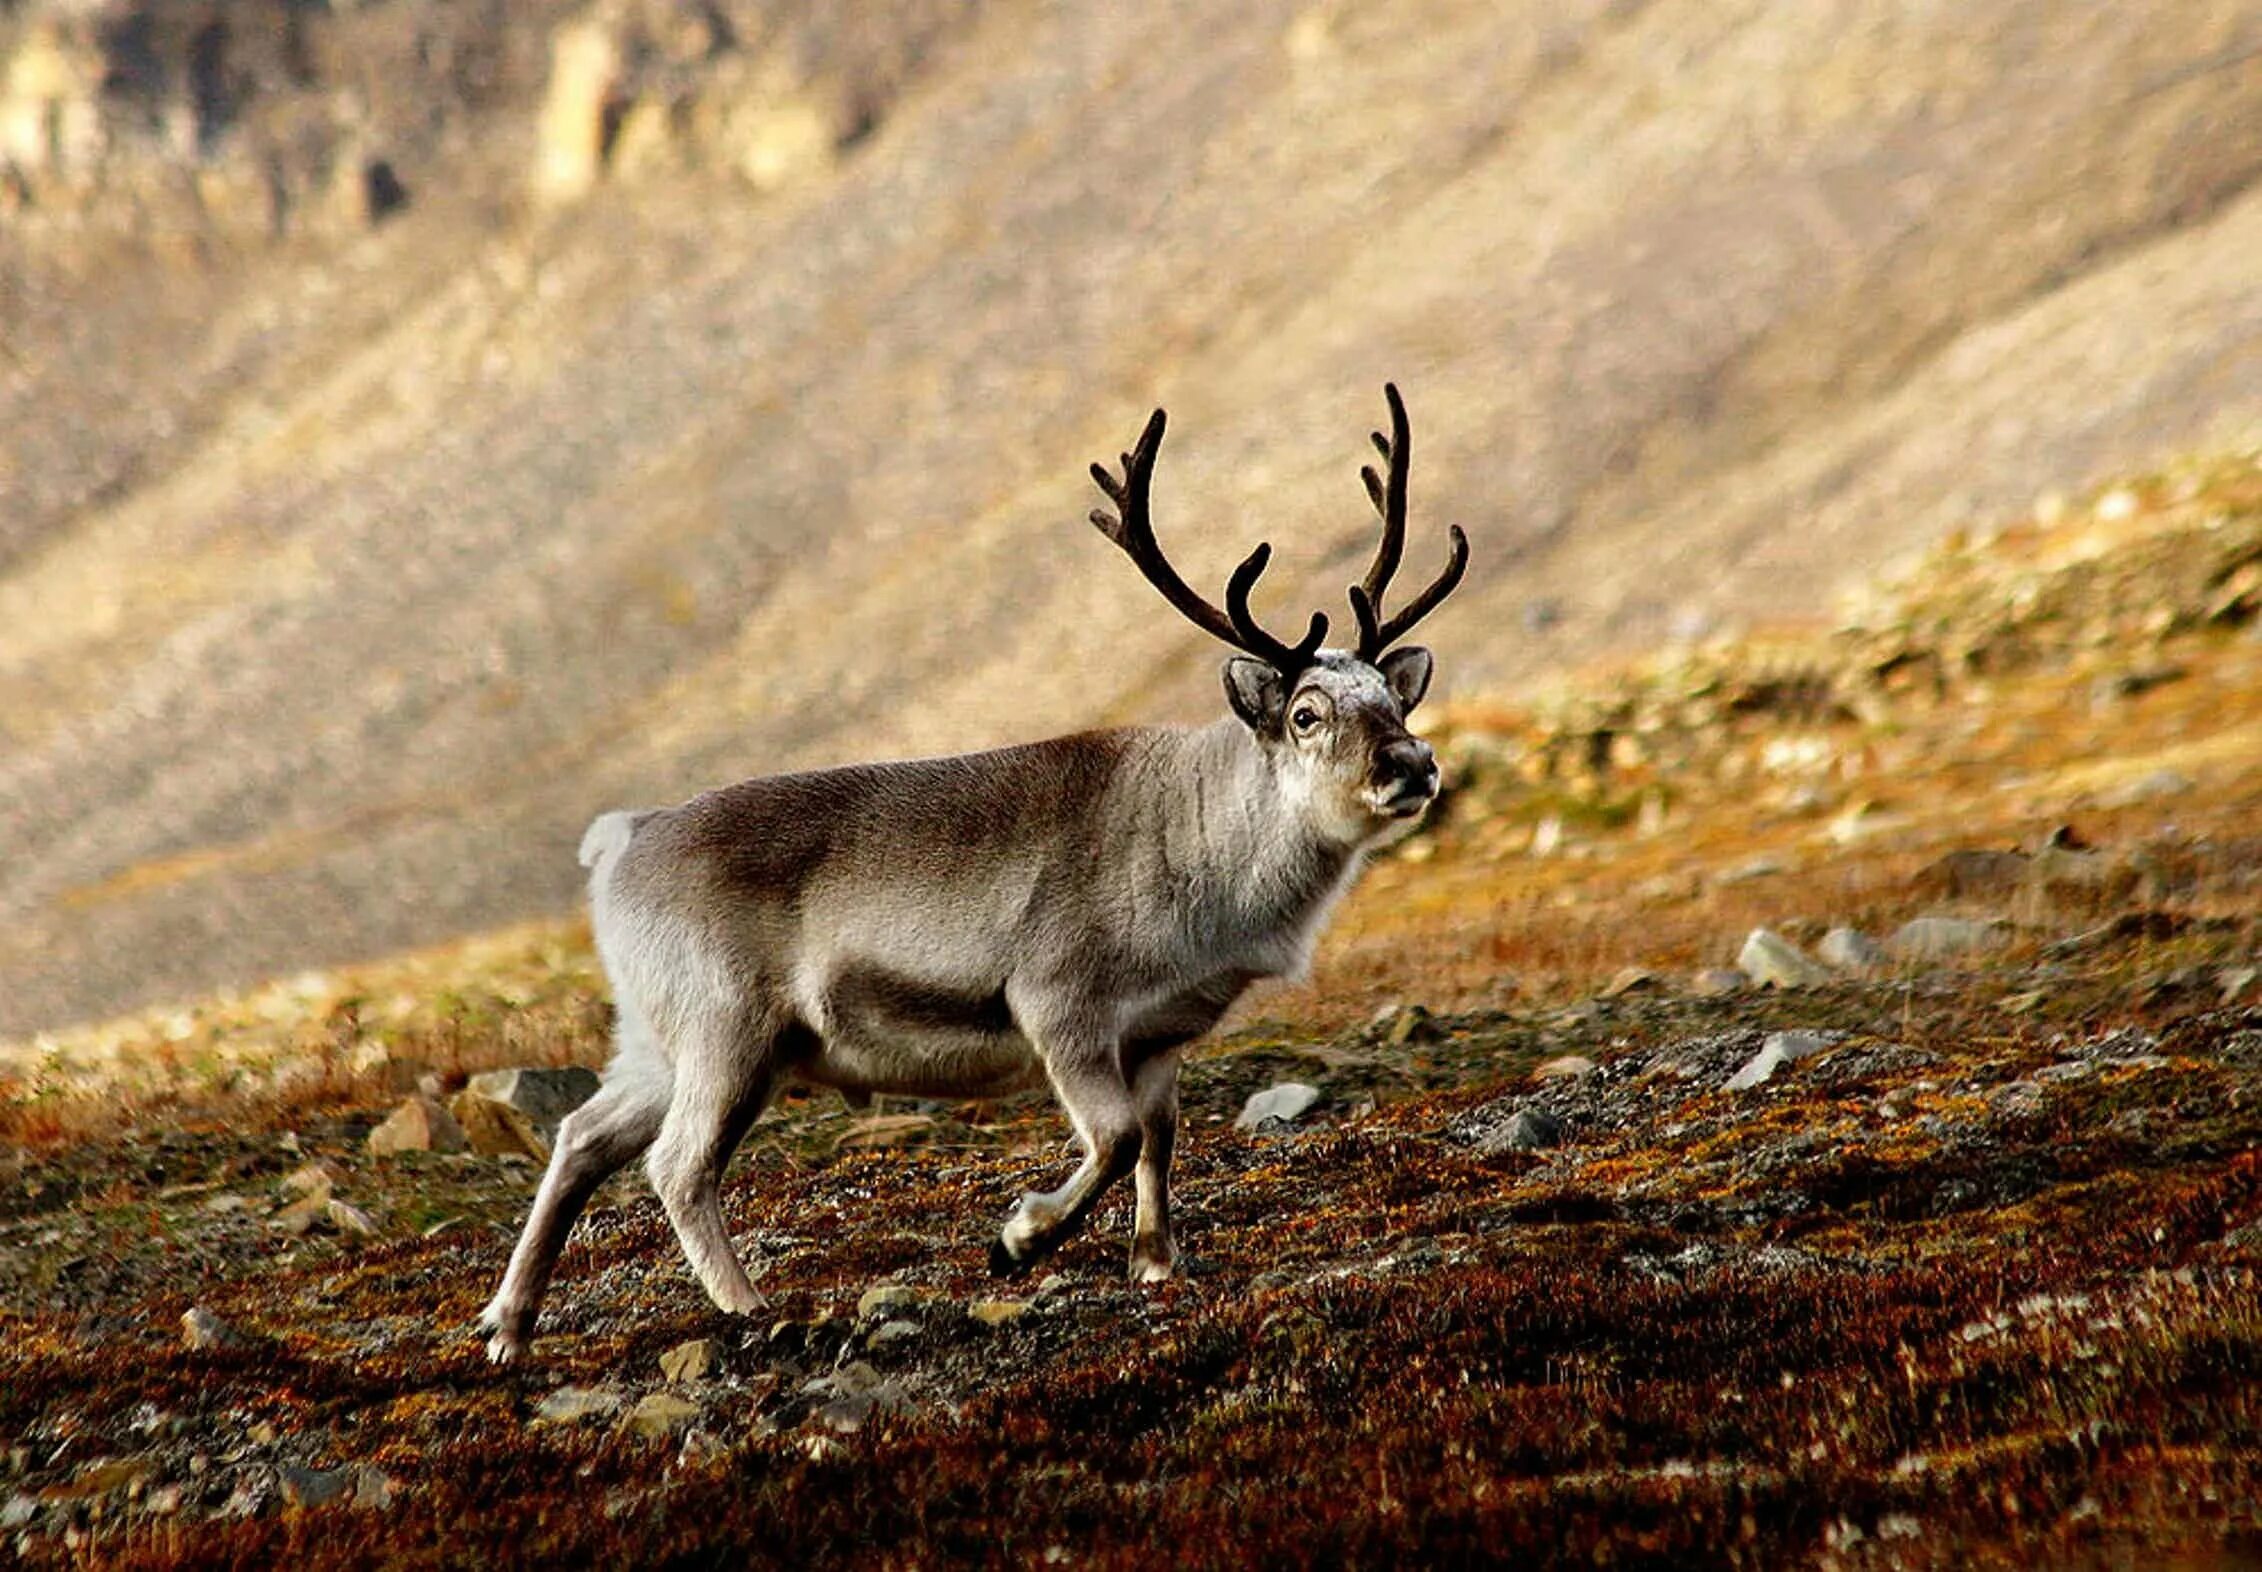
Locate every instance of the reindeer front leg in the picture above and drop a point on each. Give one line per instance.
(1154, 1094)
(1083, 1061)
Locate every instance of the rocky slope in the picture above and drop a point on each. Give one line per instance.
(714, 393)
(1811, 1118)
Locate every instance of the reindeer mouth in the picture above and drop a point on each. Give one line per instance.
(1404, 801)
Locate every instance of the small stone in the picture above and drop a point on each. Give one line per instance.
(164, 1501)
(202, 1331)
(2236, 981)
(888, 1297)
(302, 1215)
(1713, 982)
(418, 1125)
(1565, 1067)
(1277, 1105)
(1849, 950)
(888, 1332)
(1527, 1130)
(996, 1312)
(1626, 980)
(1773, 961)
(2016, 1098)
(309, 1489)
(1940, 938)
(1776, 1051)
(573, 1405)
(315, 1178)
(692, 1361)
(20, 1510)
(373, 1489)
(349, 1219)
(660, 1415)
(1404, 1025)
(518, 1111)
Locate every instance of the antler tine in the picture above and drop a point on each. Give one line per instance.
(1131, 529)
(1389, 498)
(1421, 605)
(1253, 638)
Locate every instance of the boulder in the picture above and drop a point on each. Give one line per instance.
(507, 1111)
(1773, 961)
(418, 1125)
(1850, 950)
(1277, 1105)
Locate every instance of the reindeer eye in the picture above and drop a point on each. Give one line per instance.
(1305, 717)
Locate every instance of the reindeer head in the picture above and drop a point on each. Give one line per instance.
(1331, 722)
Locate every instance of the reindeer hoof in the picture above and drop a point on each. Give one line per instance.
(1004, 1263)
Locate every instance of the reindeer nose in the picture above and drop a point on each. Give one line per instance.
(1407, 762)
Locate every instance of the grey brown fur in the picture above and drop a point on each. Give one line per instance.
(1074, 911)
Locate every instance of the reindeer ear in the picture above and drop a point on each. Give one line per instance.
(1256, 691)
(1407, 671)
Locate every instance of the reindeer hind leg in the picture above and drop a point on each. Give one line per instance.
(724, 1073)
(596, 1140)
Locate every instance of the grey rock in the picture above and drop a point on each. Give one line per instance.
(889, 1297)
(996, 1312)
(547, 1095)
(1850, 950)
(373, 1488)
(1527, 1130)
(1778, 1050)
(517, 1112)
(1942, 938)
(309, 1489)
(202, 1331)
(1712, 982)
(421, 1124)
(890, 1332)
(660, 1415)
(1277, 1105)
(854, 1393)
(573, 1405)
(20, 1510)
(692, 1361)
(1405, 1025)
(2016, 1098)
(1773, 961)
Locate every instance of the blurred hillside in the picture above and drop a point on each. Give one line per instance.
(426, 423)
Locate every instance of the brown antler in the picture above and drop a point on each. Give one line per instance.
(1389, 499)
(1130, 529)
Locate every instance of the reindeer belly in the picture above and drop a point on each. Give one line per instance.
(884, 1031)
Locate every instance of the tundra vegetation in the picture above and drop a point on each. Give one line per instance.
(1943, 1252)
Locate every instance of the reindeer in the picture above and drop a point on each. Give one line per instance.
(1073, 912)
